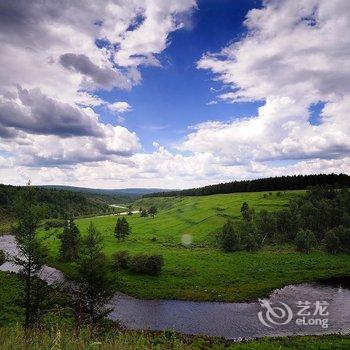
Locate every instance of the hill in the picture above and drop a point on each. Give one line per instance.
(57, 202)
(184, 232)
(281, 183)
(110, 192)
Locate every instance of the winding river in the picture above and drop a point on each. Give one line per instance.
(324, 309)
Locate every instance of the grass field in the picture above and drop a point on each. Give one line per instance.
(201, 271)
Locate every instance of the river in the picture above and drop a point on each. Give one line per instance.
(328, 310)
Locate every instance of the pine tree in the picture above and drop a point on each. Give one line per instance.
(122, 229)
(31, 252)
(247, 213)
(70, 239)
(95, 286)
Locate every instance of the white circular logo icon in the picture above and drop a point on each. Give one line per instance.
(274, 315)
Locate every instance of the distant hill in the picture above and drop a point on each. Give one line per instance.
(281, 183)
(57, 202)
(125, 191)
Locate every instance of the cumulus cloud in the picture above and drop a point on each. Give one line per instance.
(104, 78)
(294, 55)
(37, 113)
(119, 107)
(55, 56)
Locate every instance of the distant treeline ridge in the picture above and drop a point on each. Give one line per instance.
(281, 183)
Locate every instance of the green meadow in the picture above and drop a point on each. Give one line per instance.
(200, 271)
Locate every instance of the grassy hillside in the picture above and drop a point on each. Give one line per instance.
(201, 271)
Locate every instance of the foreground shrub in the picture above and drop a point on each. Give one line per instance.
(228, 239)
(305, 241)
(147, 264)
(121, 260)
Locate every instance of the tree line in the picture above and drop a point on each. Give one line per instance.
(281, 183)
(320, 218)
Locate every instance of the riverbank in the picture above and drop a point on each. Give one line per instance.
(13, 337)
(227, 320)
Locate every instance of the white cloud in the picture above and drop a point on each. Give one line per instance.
(119, 107)
(294, 54)
(55, 56)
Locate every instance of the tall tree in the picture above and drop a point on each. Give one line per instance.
(94, 284)
(31, 253)
(70, 239)
(122, 229)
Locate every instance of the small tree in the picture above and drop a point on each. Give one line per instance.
(70, 239)
(95, 286)
(228, 238)
(143, 213)
(122, 229)
(305, 240)
(265, 224)
(331, 241)
(153, 211)
(250, 236)
(31, 252)
(247, 213)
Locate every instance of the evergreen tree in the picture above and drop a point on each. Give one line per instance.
(70, 239)
(247, 213)
(31, 252)
(94, 285)
(122, 229)
(228, 238)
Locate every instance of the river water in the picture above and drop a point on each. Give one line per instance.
(310, 308)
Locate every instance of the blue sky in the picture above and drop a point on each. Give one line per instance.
(171, 98)
(172, 93)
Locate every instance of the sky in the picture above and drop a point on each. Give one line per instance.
(172, 93)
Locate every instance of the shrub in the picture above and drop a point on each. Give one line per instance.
(337, 239)
(138, 262)
(343, 234)
(228, 239)
(305, 240)
(147, 264)
(121, 260)
(2, 257)
(252, 243)
(51, 223)
(154, 265)
(331, 242)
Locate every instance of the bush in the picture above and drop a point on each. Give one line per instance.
(331, 242)
(147, 264)
(305, 241)
(228, 239)
(337, 239)
(252, 243)
(51, 223)
(138, 262)
(2, 257)
(121, 260)
(154, 265)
